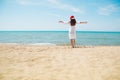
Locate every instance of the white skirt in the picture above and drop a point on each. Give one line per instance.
(72, 32)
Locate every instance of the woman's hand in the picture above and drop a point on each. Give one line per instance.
(83, 22)
(61, 22)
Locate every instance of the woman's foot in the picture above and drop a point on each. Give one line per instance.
(73, 46)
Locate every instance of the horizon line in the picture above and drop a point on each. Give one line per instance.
(63, 30)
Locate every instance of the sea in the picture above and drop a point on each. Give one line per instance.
(83, 38)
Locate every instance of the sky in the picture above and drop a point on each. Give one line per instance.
(37, 15)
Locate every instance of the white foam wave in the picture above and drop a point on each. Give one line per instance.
(41, 44)
(44, 44)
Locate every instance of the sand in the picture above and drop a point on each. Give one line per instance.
(33, 62)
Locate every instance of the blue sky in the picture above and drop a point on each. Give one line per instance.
(102, 15)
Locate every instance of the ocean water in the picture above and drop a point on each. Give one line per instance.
(60, 38)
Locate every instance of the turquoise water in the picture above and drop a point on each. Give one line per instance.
(60, 37)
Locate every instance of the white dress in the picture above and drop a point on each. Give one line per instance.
(72, 32)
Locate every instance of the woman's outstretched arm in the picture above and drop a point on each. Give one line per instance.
(69, 22)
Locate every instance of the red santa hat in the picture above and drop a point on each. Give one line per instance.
(72, 17)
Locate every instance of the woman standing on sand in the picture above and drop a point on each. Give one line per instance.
(72, 29)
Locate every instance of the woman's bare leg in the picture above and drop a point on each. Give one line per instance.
(72, 43)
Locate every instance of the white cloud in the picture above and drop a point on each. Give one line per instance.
(54, 1)
(107, 10)
(31, 2)
(64, 6)
(51, 3)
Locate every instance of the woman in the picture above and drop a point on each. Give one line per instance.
(72, 30)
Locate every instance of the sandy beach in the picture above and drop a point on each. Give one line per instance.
(34, 62)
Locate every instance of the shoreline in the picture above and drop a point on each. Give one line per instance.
(52, 44)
